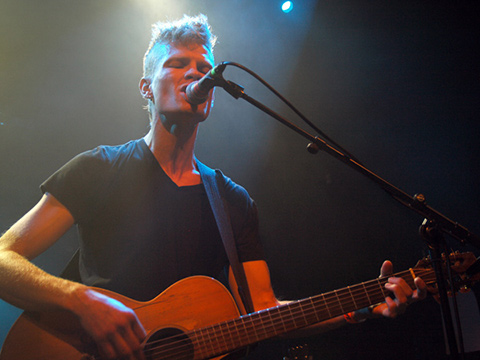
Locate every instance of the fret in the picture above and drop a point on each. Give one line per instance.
(381, 287)
(197, 341)
(326, 305)
(353, 298)
(366, 293)
(361, 301)
(349, 301)
(299, 314)
(207, 341)
(274, 330)
(291, 309)
(332, 299)
(238, 333)
(321, 308)
(208, 348)
(310, 311)
(272, 326)
(338, 300)
(245, 320)
(289, 319)
(219, 338)
(277, 309)
(314, 308)
(232, 328)
(243, 330)
(251, 327)
(257, 320)
(302, 310)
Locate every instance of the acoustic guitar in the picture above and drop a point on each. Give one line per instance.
(197, 318)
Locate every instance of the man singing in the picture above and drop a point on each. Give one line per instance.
(143, 215)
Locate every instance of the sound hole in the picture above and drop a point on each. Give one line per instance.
(168, 344)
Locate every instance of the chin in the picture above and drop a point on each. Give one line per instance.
(178, 116)
(198, 112)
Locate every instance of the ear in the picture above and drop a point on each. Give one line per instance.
(145, 89)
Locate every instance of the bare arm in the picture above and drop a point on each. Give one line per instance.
(263, 297)
(114, 327)
(23, 284)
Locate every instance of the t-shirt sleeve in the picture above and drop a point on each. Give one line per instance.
(76, 183)
(244, 219)
(250, 246)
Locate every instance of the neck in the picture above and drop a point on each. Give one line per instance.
(173, 147)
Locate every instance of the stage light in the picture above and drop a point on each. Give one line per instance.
(287, 6)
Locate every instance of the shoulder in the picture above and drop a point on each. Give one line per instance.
(229, 189)
(111, 154)
(91, 167)
(105, 157)
(235, 195)
(232, 190)
(81, 181)
(241, 205)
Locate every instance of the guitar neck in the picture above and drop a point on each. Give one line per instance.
(249, 329)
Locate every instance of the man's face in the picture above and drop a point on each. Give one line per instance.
(180, 66)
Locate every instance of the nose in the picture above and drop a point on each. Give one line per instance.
(193, 73)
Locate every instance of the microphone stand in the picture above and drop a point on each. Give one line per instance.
(434, 225)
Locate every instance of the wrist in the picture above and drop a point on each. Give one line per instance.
(359, 316)
(353, 318)
(78, 299)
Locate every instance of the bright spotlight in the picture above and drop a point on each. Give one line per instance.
(287, 6)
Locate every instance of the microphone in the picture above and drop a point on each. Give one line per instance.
(197, 91)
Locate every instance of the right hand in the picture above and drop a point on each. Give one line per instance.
(114, 327)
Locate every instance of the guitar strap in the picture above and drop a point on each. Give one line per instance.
(213, 181)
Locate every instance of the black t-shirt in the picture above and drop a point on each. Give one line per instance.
(139, 231)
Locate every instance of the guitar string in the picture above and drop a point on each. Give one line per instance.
(220, 329)
(223, 347)
(304, 312)
(366, 287)
(219, 326)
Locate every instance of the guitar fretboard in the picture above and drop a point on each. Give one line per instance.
(234, 334)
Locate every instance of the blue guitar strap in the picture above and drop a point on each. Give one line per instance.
(213, 182)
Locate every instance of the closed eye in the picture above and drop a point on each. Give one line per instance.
(177, 64)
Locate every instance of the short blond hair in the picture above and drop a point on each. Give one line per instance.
(188, 30)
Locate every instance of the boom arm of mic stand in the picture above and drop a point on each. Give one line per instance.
(415, 203)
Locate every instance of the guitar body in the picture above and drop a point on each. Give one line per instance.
(189, 304)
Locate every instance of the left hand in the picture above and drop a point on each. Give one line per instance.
(404, 294)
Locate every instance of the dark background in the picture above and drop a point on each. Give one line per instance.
(394, 82)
